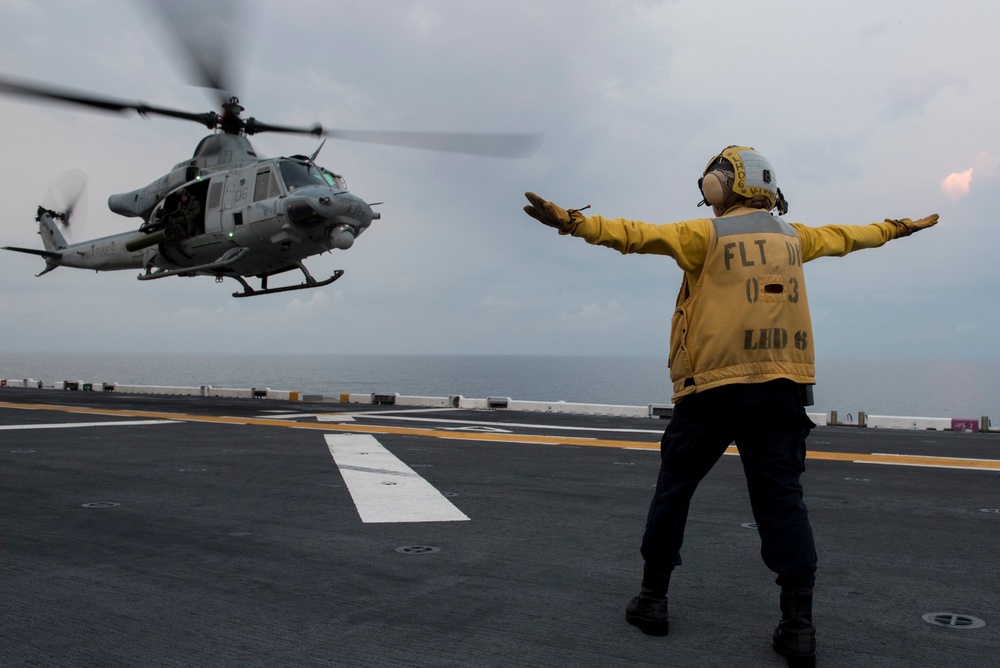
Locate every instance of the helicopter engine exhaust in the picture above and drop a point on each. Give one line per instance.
(341, 236)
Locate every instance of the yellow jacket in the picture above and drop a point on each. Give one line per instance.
(728, 337)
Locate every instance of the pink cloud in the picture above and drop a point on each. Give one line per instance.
(956, 184)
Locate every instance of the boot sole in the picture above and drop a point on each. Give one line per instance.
(797, 660)
(649, 627)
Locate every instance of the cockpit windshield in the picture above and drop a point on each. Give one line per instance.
(300, 174)
(336, 180)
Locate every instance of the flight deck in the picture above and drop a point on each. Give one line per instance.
(212, 531)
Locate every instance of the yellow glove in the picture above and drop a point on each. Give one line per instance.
(905, 227)
(552, 215)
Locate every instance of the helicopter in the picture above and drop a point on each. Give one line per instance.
(225, 211)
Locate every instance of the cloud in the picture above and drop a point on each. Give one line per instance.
(956, 184)
(308, 306)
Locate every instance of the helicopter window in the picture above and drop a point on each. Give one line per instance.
(300, 174)
(214, 195)
(335, 180)
(266, 186)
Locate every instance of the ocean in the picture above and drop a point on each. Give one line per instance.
(963, 389)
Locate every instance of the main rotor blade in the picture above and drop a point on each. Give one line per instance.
(205, 33)
(209, 119)
(253, 126)
(47, 92)
(63, 95)
(502, 145)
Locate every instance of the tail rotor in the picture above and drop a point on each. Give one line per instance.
(66, 199)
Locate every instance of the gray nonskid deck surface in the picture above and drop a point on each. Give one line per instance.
(240, 545)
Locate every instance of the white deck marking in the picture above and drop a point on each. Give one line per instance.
(393, 415)
(72, 425)
(333, 417)
(385, 489)
(320, 417)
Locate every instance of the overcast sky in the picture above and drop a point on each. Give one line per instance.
(867, 110)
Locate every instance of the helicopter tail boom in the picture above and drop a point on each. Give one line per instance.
(52, 237)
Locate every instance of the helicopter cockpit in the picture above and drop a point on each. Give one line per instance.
(300, 174)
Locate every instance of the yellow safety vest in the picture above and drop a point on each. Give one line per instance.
(746, 320)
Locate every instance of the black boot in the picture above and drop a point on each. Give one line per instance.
(648, 610)
(795, 637)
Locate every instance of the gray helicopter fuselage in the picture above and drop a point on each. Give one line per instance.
(257, 217)
(281, 210)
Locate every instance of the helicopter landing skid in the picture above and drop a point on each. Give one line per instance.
(309, 283)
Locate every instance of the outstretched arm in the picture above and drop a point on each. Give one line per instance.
(844, 239)
(686, 241)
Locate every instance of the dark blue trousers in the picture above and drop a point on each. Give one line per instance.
(769, 425)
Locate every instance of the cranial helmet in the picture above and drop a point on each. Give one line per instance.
(740, 171)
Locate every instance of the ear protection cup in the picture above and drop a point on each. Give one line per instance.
(716, 186)
(720, 187)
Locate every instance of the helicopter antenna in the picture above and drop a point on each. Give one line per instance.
(312, 158)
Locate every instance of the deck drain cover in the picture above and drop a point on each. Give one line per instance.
(953, 620)
(417, 549)
(101, 504)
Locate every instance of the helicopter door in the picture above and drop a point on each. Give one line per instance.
(235, 199)
(213, 212)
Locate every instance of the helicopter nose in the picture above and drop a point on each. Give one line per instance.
(355, 209)
(329, 209)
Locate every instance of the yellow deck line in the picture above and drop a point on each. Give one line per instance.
(899, 460)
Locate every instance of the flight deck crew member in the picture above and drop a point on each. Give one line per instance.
(742, 366)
